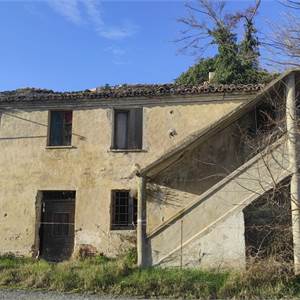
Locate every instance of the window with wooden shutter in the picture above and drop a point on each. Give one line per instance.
(128, 129)
(60, 128)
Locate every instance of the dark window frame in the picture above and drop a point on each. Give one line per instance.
(134, 129)
(66, 142)
(131, 211)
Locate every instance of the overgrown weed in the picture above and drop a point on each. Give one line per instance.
(102, 275)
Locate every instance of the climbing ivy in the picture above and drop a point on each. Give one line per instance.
(235, 62)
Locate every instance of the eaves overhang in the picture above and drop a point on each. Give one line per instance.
(87, 103)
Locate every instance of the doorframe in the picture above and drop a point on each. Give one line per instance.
(38, 215)
(38, 243)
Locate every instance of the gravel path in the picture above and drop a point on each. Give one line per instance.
(33, 295)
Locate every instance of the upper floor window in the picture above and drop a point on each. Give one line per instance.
(124, 210)
(128, 128)
(60, 133)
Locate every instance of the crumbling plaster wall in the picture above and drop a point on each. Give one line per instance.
(215, 249)
(163, 203)
(211, 228)
(201, 168)
(89, 167)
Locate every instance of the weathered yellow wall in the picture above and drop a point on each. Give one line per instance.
(90, 168)
(180, 183)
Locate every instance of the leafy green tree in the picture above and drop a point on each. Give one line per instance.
(228, 67)
(235, 62)
(198, 72)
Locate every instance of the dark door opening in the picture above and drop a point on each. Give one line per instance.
(268, 226)
(57, 225)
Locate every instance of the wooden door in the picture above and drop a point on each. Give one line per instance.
(57, 226)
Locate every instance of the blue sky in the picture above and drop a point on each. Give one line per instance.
(80, 44)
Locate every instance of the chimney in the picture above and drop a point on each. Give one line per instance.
(211, 76)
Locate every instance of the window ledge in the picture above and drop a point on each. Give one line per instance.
(127, 150)
(60, 147)
(125, 231)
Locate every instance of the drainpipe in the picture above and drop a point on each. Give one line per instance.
(291, 124)
(141, 221)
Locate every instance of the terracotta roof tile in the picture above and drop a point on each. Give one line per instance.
(126, 91)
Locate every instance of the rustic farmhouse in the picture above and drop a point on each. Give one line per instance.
(171, 170)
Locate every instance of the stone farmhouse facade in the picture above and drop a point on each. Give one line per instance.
(162, 168)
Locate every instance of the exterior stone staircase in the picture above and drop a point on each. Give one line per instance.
(212, 226)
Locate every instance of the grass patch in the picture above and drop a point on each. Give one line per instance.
(121, 277)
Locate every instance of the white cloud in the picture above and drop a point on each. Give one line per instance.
(68, 9)
(94, 10)
(116, 51)
(119, 55)
(126, 30)
(90, 11)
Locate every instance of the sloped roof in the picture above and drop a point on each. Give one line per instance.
(127, 91)
(199, 137)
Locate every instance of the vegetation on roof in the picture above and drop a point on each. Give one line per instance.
(127, 91)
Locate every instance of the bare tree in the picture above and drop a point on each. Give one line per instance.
(208, 24)
(284, 43)
(205, 19)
